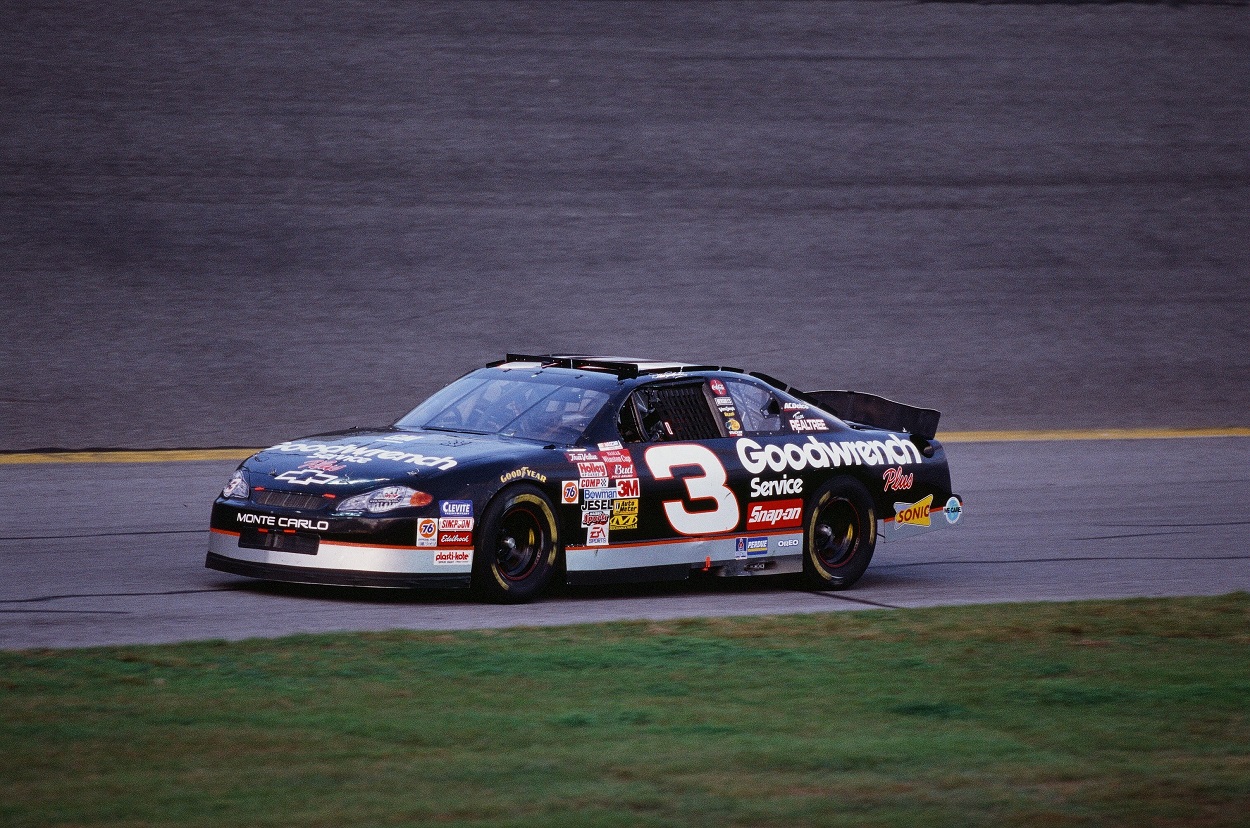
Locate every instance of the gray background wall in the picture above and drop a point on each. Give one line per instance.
(227, 226)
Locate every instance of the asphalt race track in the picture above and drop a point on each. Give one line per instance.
(229, 225)
(1045, 521)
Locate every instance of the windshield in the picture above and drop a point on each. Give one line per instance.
(531, 408)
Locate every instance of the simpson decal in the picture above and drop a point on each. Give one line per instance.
(455, 524)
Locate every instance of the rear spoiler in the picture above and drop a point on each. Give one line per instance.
(878, 412)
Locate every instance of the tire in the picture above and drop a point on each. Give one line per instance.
(517, 546)
(840, 534)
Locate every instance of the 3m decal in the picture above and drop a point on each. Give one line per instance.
(914, 514)
(455, 508)
(774, 488)
(627, 488)
(453, 556)
(798, 456)
(775, 514)
(896, 481)
(427, 532)
(569, 491)
(701, 489)
(623, 522)
(455, 524)
(954, 510)
(523, 473)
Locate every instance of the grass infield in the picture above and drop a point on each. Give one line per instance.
(1093, 713)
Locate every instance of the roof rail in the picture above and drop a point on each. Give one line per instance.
(621, 368)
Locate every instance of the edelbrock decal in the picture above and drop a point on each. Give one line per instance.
(822, 455)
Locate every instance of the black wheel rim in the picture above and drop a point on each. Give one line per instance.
(835, 536)
(519, 544)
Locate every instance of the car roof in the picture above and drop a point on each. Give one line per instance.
(622, 367)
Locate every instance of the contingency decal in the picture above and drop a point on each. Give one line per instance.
(427, 532)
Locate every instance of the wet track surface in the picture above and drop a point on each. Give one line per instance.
(232, 225)
(1045, 521)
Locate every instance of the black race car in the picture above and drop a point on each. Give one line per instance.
(592, 469)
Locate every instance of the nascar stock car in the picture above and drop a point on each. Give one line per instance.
(595, 470)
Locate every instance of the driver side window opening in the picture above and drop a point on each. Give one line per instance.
(757, 407)
(659, 413)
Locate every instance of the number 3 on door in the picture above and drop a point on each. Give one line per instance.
(708, 486)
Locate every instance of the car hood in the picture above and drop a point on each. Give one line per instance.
(349, 460)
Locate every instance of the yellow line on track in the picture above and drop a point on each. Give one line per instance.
(187, 455)
(154, 456)
(1088, 434)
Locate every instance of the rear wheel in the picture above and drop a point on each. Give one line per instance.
(516, 547)
(840, 534)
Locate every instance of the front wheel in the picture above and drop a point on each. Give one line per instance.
(840, 535)
(516, 547)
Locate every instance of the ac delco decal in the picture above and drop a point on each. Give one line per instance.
(775, 514)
